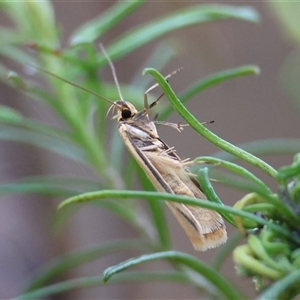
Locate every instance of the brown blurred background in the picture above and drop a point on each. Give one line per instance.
(244, 109)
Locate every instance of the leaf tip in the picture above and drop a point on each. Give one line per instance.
(146, 71)
(60, 206)
(106, 275)
(256, 70)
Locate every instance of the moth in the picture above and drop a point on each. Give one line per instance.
(164, 168)
(167, 172)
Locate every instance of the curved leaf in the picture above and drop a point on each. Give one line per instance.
(86, 282)
(48, 185)
(87, 197)
(207, 134)
(70, 261)
(265, 147)
(10, 115)
(40, 140)
(280, 287)
(236, 169)
(93, 29)
(220, 283)
(209, 192)
(210, 81)
(192, 15)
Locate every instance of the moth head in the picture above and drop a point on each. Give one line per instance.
(126, 110)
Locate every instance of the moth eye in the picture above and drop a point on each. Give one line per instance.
(126, 113)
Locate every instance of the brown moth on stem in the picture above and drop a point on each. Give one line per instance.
(167, 172)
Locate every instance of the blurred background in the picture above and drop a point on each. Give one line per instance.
(244, 109)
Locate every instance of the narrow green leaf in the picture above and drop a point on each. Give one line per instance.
(35, 188)
(16, 54)
(236, 169)
(290, 171)
(234, 181)
(265, 147)
(207, 134)
(87, 282)
(50, 185)
(288, 77)
(286, 212)
(209, 192)
(243, 256)
(280, 287)
(12, 117)
(9, 115)
(192, 15)
(222, 285)
(8, 36)
(87, 197)
(210, 81)
(17, 80)
(40, 140)
(39, 23)
(287, 13)
(61, 265)
(95, 28)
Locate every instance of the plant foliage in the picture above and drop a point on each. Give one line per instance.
(269, 221)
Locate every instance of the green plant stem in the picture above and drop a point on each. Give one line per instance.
(207, 134)
(86, 197)
(86, 282)
(235, 168)
(210, 193)
(59, 266)
(279, 289)
(107, 20)
(228, 292)
(210, 81)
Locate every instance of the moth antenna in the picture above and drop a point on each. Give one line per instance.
(112, 70)
(74, 84)
(155, 102)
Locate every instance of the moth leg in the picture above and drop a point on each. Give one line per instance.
(156, 101)
(187, 162)
(147, 106)
(167, 151)
(147, 148)
(177, 126)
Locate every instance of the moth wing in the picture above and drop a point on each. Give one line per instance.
(205, 228)
(151, 172)
(189, 224)
(211, 225)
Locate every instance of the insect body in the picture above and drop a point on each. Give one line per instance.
(168, 173)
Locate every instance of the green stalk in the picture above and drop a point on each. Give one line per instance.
(207, 134)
